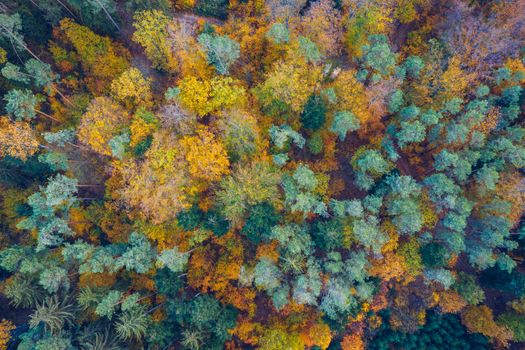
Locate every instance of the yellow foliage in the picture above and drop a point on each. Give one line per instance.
(454, 81)
(132, 89)
(102, 121)
(269, 251)
(140, 129)
(290, 82)
(405, 11)
(6, 327)
(151, 31)
(160, 186)
(101, 58)
(3, 56)
(205, 96)
(480, 319)
(17, 139)
(393, 242)
(206, 156)
(367, 20)
(351, 96)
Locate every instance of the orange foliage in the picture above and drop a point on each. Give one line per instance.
(268, 251)
(451, 302)
(96, 280)
(6, 327)
(206, 156)
(17, 139)
(479, 319)
(392, 266)
(318, 334)
(353, 341)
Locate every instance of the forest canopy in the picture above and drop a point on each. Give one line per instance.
(274, 175)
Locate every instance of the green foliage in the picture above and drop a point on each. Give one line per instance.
(267, 275)
(515, 322)
(173, 260)
(53, 314)
(439, 332)
(468, 288)
(21, 104)
(314, 113)
(222, 51)
(278, 33)
(213, 8)
(309, 50)
(138, 256)
(434, 255)
(261, 218)
(378, 55)
(132, 324)
(343, 123)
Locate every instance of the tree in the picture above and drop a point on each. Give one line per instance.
(53, 314)
(50, 208)
(103, 120)
(247, 186)
(367, 233)
(468, 288)
(213, 8)
(343, 123)
(288, 83)
(314, 113)
(479, 319)
(160, 186)
(240, 134)
(221, 51)
(261, 218)
(151, 32)
(6, 327)
(322, 24)
(102, 60)
(173, 260)
(17, 139)
(378, 56)
(132, 324)
(280, 339)
(206, 96)
(132, 89)
(138, 256)
(278, 33)
(206, 156)
(267, 275)
(21, 104)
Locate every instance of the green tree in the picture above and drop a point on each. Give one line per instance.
(314, 113)
(222, 51)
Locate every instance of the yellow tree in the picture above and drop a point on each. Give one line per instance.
(102, 121)
(206, 156)
(351, 96)
(101, 59)
(290, 82)
(159, 187)
(132, 89)
(206, 96)
(151, 32)
(17, 139)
